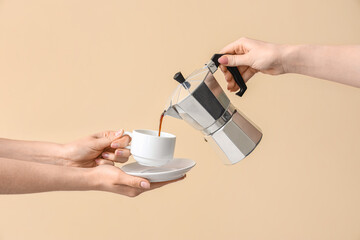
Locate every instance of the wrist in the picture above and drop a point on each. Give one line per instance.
(67, 154)
(77, 179)
(93, 182)
(88, 179)
(290, 58)
(51, 153)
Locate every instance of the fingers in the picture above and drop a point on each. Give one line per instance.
(232, 86)
(245, 71)
(120, 155)
(113, 179)
(161, 184)
(238, 47)
(234, 47)
(122, 142)
(230, 48)
(109, 134)
(133, 192)
(240, 61)
(103, 162)
(223, 68)
(142, 183)
(104, 139)
(125, 184)
(135, 182)
(249, 73)
(235, 60)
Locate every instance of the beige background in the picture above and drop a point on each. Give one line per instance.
(71, 68)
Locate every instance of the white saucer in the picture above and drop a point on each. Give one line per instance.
(174, 169)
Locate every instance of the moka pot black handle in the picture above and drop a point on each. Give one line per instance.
(234, 72)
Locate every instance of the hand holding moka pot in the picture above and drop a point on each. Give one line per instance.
(201, 102)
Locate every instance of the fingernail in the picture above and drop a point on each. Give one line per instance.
(97, 161)
(118, 133)
(223, 60)
(145, 185)
(115, 145)
(105, 155)
(119, 152)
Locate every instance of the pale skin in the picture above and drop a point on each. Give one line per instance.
(85, 164)
(88, 164)
(335, 63)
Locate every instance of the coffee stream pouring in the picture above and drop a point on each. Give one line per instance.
(201, 102)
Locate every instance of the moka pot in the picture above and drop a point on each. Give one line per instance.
(201, 102)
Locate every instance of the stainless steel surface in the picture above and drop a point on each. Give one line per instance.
(211, 66)
(171, 111)
(204, 105)
(234, 141)
(221, 121)
(249, 128)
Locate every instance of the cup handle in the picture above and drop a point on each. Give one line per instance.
(129, 134)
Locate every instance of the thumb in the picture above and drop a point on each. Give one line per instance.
(135, 182)
(235, 60)
(106, 138)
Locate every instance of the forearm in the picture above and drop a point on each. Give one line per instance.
(29, 177)
(335, 63)
(43, 152)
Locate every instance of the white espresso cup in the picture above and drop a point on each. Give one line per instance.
(149, 149)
